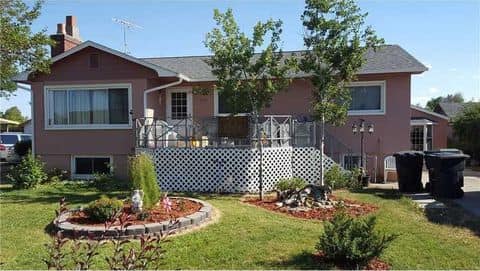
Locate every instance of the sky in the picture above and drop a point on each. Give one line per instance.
(443, 35)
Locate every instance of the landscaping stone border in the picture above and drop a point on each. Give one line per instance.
(187, 222)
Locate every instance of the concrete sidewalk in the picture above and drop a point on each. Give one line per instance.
(471, 199)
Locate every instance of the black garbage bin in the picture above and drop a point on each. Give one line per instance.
(445, 170)
(409, 170)
(429, 161)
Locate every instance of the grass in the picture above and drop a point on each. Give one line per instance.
(246, 237)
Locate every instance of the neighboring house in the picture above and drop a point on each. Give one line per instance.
(88, 110)
(450, 110)
(27, 127)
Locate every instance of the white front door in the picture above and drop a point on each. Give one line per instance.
(179, 109)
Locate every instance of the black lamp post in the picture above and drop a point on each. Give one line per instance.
(360, 129)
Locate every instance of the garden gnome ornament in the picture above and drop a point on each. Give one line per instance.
(137, 201)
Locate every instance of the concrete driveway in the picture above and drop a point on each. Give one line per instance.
(471, 199)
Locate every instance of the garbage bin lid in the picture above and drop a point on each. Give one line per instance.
(446, 155)
(409, 153)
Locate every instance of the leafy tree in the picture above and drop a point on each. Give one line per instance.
(13, 113)
(467, 129)
(450, 98)
(337, 40)
(20, 48)
(248, 80)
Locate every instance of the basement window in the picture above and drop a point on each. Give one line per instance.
(83, 166)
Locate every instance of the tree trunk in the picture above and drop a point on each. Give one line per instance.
(322, 149)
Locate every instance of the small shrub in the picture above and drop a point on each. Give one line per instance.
(104, 209)
(106, 182)
(142, 173)
(57, 175)
(352, 241)
(291, 184)
(22, 148)
(337, 178)
(28, 173)
(355, 182)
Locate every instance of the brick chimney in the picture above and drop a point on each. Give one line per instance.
(67, 36)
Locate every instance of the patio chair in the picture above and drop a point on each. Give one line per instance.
(389, 166)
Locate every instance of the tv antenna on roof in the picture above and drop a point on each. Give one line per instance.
(127, 25)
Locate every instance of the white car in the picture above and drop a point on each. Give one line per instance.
(7, 143)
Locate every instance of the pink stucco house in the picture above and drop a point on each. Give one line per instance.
(89, 110)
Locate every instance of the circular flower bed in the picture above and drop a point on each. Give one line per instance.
(185, 213)
(351, 207)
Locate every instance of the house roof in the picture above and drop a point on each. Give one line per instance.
(386, 59)
(450, 109)
(161, 71)
(426, 111)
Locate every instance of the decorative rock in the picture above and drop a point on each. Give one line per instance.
(135, 230)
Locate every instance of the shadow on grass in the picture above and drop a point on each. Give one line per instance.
(455, 216)
(74, 193)
(388, 194)
(304, 260)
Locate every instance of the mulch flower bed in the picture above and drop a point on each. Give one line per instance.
(374, 264)
(180, 208)
(351, 207)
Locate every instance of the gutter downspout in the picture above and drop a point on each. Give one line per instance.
(32, 103)
(180, 80)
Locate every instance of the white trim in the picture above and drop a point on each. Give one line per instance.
(215, 107)
(86, 176)
(421, 122)
(168, 102)
(423, 110)
(147, 91)
(47, 104)
(383, 98)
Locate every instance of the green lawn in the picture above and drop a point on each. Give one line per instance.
(247, 237)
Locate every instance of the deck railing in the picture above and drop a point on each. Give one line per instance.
(276, 131)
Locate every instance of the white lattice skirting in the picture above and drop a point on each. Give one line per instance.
(232, 170)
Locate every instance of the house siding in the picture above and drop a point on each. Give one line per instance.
(56, 147)
(392, 129)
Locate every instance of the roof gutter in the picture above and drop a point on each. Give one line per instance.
(178, 82)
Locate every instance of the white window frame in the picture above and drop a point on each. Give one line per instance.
(73, 165)
(48, 107)
(424, 124)
(215, 107)
(383, 98)
(168, 100)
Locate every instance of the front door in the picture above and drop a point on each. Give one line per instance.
(179, 110)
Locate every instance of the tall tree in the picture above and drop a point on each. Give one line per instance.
(13, 113)
(467, 129)
(248, 80)
(20, 48)
(450, 98)
(336, 38)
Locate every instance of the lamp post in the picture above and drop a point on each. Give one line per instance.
(360, 129)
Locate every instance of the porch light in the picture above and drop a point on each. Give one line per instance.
(370, 128)
(361, 129)
(354, 128)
